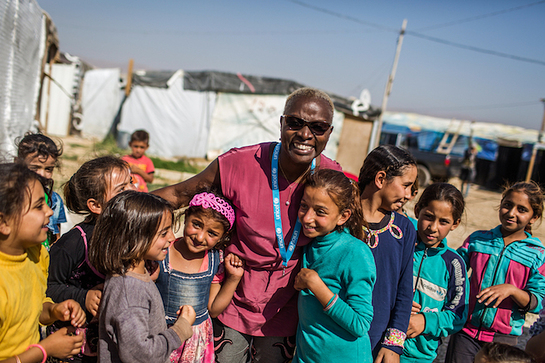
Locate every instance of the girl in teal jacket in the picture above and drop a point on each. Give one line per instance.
(508, 278)
(337, 275)
(440, 300)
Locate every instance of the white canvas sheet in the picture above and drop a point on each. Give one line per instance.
(241, 119)
(100, 101)
(57, 99)
(177, 120)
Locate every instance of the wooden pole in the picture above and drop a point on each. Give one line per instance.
(540, 137)
(534, 149)
(129, 78)
(388, 89)
(531, 165)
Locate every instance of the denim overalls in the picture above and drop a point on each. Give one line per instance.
(178, 288)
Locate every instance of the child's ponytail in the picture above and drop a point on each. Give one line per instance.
(390, 159)
(356, 222)
(91, 182)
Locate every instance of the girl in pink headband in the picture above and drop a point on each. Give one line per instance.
(191, 274)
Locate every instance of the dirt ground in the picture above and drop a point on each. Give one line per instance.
(78, 150)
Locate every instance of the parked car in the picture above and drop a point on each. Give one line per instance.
(433, 163)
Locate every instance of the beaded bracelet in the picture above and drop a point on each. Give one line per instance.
(331, 302)
(41, 348)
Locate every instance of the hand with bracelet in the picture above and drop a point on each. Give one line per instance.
(61, 344)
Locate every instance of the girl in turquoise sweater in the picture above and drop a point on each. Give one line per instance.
(337, 275)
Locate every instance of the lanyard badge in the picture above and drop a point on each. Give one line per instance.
(284, 253)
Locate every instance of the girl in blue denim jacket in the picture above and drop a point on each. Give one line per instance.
(191, 274)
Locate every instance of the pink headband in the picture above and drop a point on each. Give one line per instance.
(209, 200)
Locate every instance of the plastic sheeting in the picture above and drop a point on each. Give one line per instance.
(240, 120)
(246, 84)
(22, 29)
(100, 101)
(56, 107)
(177, 120)
(483, 130)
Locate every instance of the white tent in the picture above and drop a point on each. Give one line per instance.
(177, 120)
(200, 114)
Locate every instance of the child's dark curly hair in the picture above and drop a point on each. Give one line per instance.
(40, 145)
(504, 353)
(15, 184)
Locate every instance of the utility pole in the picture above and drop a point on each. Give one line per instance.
(537, 146)
(377, 127)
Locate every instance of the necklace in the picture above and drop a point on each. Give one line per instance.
(298, 178)
(372, 235)
(291, 185)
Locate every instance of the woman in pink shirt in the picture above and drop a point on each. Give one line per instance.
(263, 311)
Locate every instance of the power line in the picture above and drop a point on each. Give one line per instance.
(477, 49)
(371, 81)
(347, 17)
(478, 17)
(433, 39)
(207, 33)
(486, 107)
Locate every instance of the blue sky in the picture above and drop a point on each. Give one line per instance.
(339, 46)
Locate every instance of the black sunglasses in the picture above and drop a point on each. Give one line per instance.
(318, 128)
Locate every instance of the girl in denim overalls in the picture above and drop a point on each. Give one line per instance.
(189, 275)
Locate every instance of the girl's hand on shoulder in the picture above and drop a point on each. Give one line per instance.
(92, 299)
(305, 278)
(63, 343)
(234, 266)
(416, 308)
(188, 313)
(496, 293)
(69, 310)
(417, 323)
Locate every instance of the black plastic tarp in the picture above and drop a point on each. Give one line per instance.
(213, 81)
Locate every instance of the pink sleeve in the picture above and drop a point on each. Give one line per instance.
(220, 276)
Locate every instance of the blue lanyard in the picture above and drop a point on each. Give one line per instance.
(286, 255)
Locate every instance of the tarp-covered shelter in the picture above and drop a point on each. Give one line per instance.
(202, 114)
(28, 41)
(504, 150)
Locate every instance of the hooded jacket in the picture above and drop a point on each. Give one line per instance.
(521, 263)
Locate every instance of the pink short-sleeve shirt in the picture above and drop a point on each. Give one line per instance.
(144, 163)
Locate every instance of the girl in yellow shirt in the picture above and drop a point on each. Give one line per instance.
(24, 262)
